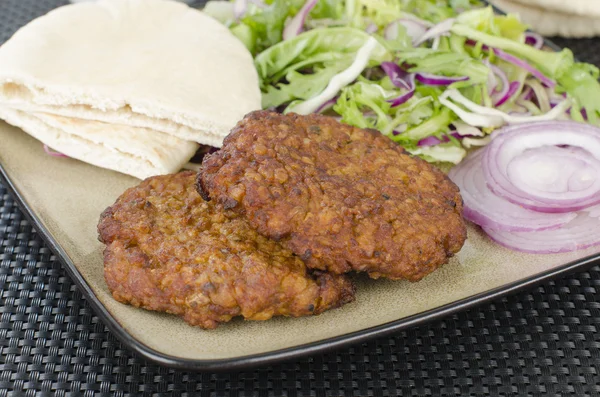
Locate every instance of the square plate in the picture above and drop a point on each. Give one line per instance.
(64, 198)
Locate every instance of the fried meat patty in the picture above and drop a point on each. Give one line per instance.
(169, 250)
(340, 197)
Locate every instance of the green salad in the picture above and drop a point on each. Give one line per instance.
(435, 76)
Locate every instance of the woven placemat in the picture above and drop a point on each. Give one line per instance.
(542, 342)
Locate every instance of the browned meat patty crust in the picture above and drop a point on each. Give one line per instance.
(340, 197)
(169, 250)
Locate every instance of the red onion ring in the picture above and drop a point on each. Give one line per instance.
(535, 40)
(503, 79)
(527, 93)
(511, 142)
(407, 95)
(582, 232)
(401, 99)
(326, 105)
(511, 90)
(415, 29)
(571, 160)
(433, 140)
(437, 30)
(371, 28)
(239, 8)
(593, 211)
(483, 207)
(296, 24)
(548, 82)
(398, 76)
(435, 80)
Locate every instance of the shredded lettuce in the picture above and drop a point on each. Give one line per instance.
(443, 152)
(300, 68)
(267, 24)
(505, 34)
(580, 81)
(305, 72)
(313, 48)
(365, 105)
(445, 63)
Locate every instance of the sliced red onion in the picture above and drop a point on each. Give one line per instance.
(437, 30)
(481, 116)
(548, 82)
(554, 98)
(527, 93)
(391, 31)
(520, 63)
(415, 28)
(513, 87)
(573, 162)
(541, 95)
(398, 76)
(239, 8)
(534, 39)
(433, 140)
(53, 153)
(434, 79)
(401, 99)
(371, 28)
(407, 95)
(492, 81)
(503, 79)
(483, 207)
(524, 164)
(327, 105)
(593, 211)
(295, 26)
(582, 232)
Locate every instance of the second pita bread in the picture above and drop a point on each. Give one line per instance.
(585, 8)
(124, 149)
(551, 19)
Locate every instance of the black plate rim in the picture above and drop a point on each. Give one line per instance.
(276, 356)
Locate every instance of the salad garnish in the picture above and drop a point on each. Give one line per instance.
(433, 64)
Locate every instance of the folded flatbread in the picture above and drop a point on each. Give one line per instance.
(573, 18)
(155, 64)
(121, 148)
(589, 8)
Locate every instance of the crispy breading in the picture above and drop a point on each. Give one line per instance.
(169, 250)
(340, 197)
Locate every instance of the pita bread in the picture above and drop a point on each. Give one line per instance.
(120, 117)
(586, 8)
(550, 18)
(121, 148)
(143, 63)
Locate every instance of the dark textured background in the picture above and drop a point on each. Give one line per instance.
(542, 342)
